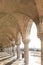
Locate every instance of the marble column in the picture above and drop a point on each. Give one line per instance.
(13, 46)
(41, 38)
(18, 51)
(13, 49)
(26, 52)
(42, 51)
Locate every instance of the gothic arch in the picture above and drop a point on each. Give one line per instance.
(8, 24)
(23, 21)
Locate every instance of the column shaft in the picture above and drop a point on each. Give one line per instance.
(18, 51)
(41, 38)
(41, 51)
(26, 52)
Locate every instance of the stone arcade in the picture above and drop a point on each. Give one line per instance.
(16, 18)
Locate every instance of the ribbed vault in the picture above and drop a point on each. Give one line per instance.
(15, 16)
(8, 29)
(13, 23)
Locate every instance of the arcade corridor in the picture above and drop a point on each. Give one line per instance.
(21, 32)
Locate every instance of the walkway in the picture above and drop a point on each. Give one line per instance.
(34, 56)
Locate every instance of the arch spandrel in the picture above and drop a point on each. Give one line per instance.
(15, 22)
(24, 22)
(8, 25)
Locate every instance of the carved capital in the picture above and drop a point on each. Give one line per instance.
(26, 41)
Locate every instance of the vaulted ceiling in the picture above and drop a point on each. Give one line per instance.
(15, 15)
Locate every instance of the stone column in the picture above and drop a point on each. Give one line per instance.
(13, 46)
(13, 49)
(42, 51)
(18, 51)
(41, 38)
(26, 52)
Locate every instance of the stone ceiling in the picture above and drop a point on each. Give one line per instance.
(15, 15)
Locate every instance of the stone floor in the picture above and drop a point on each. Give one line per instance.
(4, 55)
(34, 59)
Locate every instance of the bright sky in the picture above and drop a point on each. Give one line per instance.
(34, 40)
